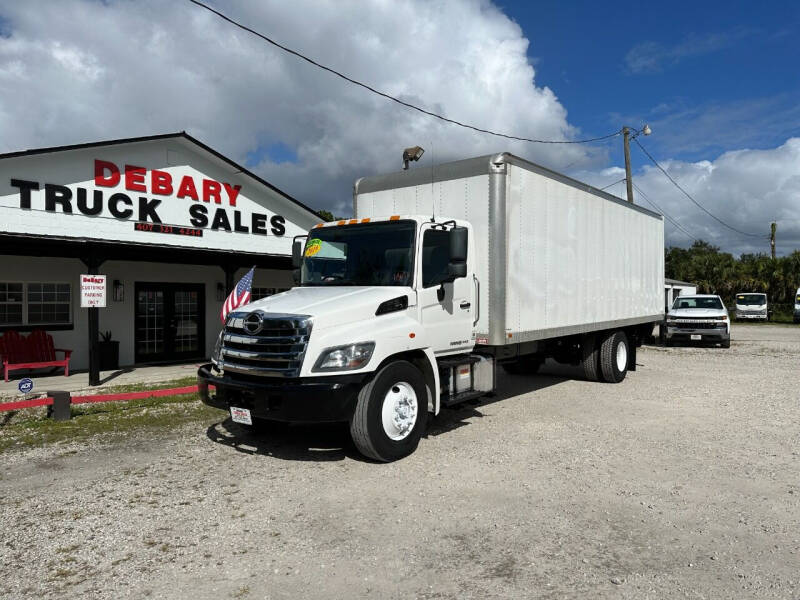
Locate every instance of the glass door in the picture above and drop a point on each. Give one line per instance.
(169, 321)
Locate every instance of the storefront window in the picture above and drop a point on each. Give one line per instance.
(10, 303)
(48, 303)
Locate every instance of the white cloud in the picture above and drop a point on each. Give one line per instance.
(748, 189)
(94, 70)
(81, 70)
(653, 57)
(696, 129)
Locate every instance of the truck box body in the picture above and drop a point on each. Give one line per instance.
(556, 257)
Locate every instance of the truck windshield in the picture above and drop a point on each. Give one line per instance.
(363, 254)
(689, 302)
(749, 299)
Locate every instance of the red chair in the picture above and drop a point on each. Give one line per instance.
(33, 352)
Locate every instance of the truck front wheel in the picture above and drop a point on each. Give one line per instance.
(391, 413)
(614, 353)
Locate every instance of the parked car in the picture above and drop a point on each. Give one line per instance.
(698, 318)
(752, 306)
(797, 306)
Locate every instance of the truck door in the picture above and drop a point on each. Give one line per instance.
(447, 317)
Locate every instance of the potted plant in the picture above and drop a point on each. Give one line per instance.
(109, 352)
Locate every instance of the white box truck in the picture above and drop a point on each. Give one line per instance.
(441, 276)
(796, 317)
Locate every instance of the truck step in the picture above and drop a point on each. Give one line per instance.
(462, 397)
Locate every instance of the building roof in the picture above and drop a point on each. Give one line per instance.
(163, 136)
(669, 281)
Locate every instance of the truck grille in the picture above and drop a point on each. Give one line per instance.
(265, 344)
(697, 324)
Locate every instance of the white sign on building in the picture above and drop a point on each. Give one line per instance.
(93, 291)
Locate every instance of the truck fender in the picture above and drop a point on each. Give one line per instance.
(425, 361)
(431, 372)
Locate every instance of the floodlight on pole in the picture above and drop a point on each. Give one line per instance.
(413, 153)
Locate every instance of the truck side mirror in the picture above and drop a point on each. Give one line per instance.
(457, 267)
(297, 253)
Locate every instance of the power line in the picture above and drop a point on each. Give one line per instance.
(661, 210)
(612, 184)
(393, 98)
(685, 193)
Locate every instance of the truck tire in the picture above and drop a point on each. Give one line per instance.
(726, 343)
(525, 365)
(614, 352)
(590, 358)
(391, 413)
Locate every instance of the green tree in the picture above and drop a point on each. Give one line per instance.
(716, 272)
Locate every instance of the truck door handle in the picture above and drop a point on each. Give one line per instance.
(464, 305)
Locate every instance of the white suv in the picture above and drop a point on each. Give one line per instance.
(698, 318)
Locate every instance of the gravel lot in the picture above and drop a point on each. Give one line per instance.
(681, 482)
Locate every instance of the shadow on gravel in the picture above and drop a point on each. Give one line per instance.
(508, 386)
(331, 441)
(322, 443)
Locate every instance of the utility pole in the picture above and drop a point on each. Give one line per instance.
(772, 238)
(626, 135)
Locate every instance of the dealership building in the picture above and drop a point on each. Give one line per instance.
(171, 223)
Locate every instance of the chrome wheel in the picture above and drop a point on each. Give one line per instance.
(399, 411)
(622, 356)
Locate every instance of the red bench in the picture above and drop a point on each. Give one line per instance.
(31, 352)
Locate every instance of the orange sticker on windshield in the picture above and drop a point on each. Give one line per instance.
(313, 247)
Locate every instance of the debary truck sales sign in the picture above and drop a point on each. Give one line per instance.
(141, 197)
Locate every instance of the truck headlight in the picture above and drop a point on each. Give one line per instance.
(345, 358)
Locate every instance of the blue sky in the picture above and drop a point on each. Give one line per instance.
(709, 76)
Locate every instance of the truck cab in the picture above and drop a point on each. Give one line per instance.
(380, 305)
(751, 306)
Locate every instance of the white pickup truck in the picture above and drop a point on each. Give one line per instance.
(698, 318)
(409, 306)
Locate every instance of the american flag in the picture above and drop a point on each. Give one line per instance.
(239, 296)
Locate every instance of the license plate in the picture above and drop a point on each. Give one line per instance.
(694, 338)
(241, 415)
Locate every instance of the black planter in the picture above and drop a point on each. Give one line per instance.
(109, 355)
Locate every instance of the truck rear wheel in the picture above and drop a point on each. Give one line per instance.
(391, 413)
(590, 358)
(614, 353)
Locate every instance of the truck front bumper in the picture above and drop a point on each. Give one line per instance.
(751, 316)
(309, 400)
(712, 336)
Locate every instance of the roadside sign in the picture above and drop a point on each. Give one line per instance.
(25, 385)
(93, 291)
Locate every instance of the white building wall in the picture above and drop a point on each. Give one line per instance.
(118, 317)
